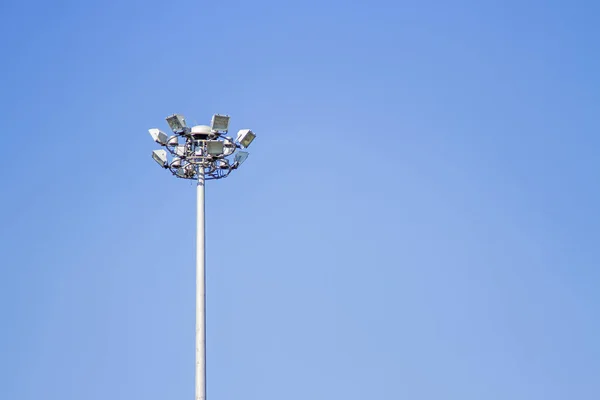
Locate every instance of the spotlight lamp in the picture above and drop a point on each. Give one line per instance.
(158, 136)
(173, 141)
(215, 147)
(201, 150)
(245, 137)
(160, 156)
(176, 162)
(180, 173)
(177, 123)
(239, 158)
(219, 123)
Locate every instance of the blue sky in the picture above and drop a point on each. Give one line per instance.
(418, 217)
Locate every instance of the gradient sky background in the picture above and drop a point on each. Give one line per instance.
(418, 218)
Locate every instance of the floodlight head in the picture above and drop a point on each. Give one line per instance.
(180, 173)
(160, 156)
(214, 147)
(158, 136)
(177, 123)
(219, 123)
(173, 141)
(176, 163)
(245, 137)
(201, 132)
(240, 157)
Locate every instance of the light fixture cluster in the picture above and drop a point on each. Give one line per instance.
(201, 148)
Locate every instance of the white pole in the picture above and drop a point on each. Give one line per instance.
(200, 292)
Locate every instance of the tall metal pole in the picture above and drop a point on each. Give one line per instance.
(200, 292)
(205, 154)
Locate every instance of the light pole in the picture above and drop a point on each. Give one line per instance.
(200, 153)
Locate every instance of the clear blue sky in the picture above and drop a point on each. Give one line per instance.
(418, 218)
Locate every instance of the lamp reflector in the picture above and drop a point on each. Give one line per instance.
(245, 137)
(160, 156)
(172, 142)
(158, 136)
(214, 147)
(180, 150)
(176, 123)
(240, 157)
(176, 163)
(219, 123)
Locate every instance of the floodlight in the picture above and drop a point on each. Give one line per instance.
(219, 123)
(158, 136)
(176, 123)
(245, 137)
(214, 147)
(176, 163)
(240, 157)
(201, 132)
(160, 156)
(173, 141)
(180, 150)
(180, 173)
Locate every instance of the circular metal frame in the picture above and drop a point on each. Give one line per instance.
(193, 153)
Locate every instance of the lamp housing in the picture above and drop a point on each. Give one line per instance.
(219, 123)
(245, 137)
(158, 136)
(177, 123)
(160, 156)
(173, 141)
(214, 147)
(176, 163)
(240, 157)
